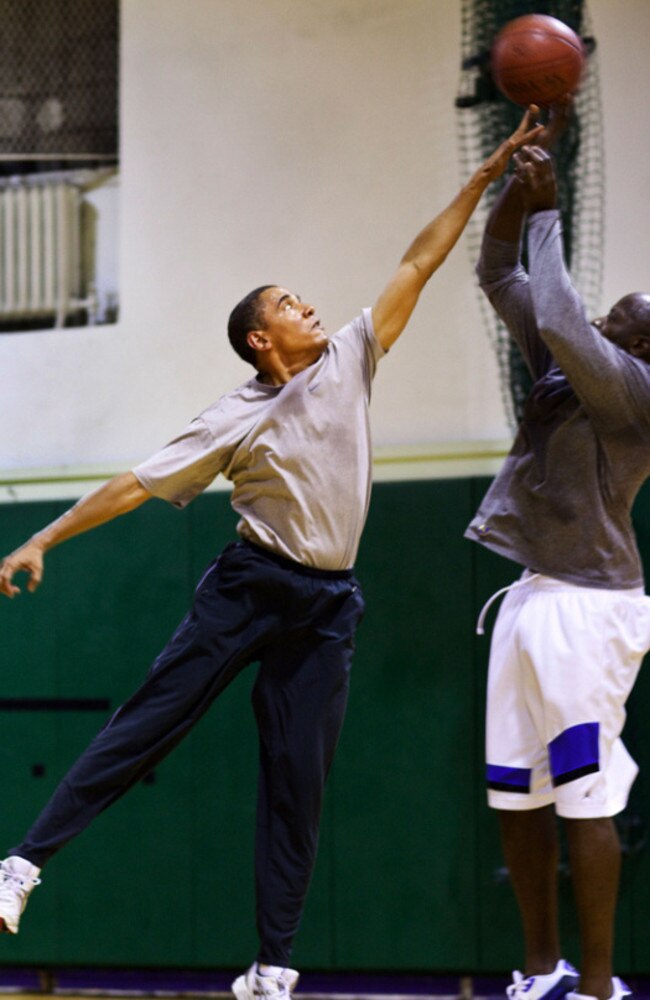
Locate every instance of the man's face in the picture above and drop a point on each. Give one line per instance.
(626, 321)
(292, 326)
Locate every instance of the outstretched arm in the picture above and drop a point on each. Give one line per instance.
(118, 496)
(429, 249)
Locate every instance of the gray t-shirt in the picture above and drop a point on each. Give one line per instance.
(299, 454)
(561, 504)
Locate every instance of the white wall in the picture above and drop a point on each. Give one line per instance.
(622, 29)
(302, 142)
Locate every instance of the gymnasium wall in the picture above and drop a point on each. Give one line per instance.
(303, 142)
(409, 875)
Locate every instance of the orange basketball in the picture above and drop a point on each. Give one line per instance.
(537, 59)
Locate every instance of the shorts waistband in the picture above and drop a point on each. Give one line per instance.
(538, 582)
(527, 577)
(296, 567)
(543, 582)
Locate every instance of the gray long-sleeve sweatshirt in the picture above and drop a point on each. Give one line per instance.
(561, 504)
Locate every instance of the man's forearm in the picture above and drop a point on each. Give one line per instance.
(507, 215)
(118, 496)
(505, 222)
(432, 245)
(558, 306)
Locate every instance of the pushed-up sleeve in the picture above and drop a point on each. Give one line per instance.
(504, 280)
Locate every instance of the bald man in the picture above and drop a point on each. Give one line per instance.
(572, 632)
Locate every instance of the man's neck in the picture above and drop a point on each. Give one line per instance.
(279, 373)
(273, 378)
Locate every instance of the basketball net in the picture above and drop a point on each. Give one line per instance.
(485, 118)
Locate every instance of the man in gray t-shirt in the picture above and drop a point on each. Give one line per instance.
(295, 442)
(572, 632)
(307, 441)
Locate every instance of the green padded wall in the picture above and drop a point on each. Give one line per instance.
(409, 874)
(404, 793)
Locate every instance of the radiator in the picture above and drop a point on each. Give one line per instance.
(40, 260)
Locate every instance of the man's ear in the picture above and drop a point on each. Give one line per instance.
(640, 347)
(258, 340)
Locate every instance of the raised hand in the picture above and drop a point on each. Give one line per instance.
(560, 115)
(527, 131)
(536, 176)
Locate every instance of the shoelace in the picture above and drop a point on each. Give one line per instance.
(271, 986)
(519, 987)
(14, 884)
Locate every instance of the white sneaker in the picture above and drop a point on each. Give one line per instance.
(619, 990)
(252, 984)
(17, 879)
(553, 986)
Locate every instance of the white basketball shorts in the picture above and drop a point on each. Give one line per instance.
(563, 661)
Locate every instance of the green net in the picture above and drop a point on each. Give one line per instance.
(485, 118)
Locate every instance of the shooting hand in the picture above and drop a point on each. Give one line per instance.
(560, 115)
(535, 173)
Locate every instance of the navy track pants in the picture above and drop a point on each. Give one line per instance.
(299, 623)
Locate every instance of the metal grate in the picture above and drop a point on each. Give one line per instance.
(58, 81)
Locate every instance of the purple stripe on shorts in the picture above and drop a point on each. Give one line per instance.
(574, 753)
(508, 779)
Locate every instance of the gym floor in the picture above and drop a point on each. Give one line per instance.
(79, 984)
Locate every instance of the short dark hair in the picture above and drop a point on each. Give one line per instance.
(246, 316)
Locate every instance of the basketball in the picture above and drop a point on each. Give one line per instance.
(537, 59)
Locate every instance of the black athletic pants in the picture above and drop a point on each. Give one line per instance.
(299, 623)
